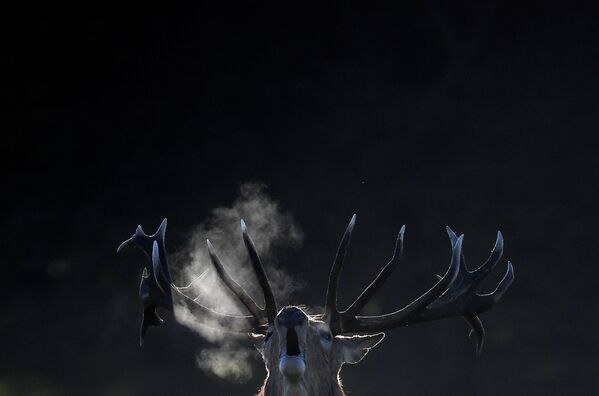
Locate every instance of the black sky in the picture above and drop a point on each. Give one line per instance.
(478, 116)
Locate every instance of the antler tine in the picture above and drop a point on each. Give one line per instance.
(331, 310)
(380, 279)
(453, 239)
(247, 301)
(492, 261)
(269, 297)
(477, 331)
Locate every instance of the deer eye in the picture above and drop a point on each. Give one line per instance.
(326, 337)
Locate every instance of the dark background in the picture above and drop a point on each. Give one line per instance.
(478, 116)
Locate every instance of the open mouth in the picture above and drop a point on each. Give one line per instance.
(291, 363)
(292, 347)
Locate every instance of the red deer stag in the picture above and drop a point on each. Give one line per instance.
(304, 353)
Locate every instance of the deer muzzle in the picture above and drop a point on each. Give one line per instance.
(292, 326)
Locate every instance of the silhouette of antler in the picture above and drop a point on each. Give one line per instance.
(453, 295)
(158, 291)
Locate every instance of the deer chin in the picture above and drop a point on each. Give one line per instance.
(292, 367)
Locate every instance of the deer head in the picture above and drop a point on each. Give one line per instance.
(304, 353)
(303, 357)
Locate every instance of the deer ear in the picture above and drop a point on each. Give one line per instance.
(354, 348)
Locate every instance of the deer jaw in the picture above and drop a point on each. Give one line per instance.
(303, 358)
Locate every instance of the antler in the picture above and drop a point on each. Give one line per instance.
(453, 295)
(157, 289)
(263, 315)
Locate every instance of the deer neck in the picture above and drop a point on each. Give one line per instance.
(311, 385)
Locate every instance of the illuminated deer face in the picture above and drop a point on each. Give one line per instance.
(304, 353)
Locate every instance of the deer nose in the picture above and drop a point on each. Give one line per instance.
(291, 317)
